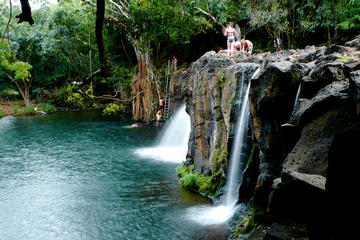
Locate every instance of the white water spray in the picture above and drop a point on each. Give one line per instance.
(209, 215)
(172, 143)
(297, 97)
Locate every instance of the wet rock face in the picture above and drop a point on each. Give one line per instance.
(295, 140)
(209, 88)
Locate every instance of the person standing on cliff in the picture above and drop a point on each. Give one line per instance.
(278, 43)
(230, 32)
(175, 63)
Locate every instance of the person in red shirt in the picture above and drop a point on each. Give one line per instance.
(175, 63)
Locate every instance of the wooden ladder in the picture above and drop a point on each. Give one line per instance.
(167, 93)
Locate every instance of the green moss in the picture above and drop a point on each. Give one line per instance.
(2, 112)
(192, 180)
(188, 180)
(248, 223)
(219, 159)
(251, 155)
(220, 79)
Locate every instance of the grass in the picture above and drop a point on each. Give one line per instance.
(26, 110)
(47, 107)
(44, 107)
(2, 112)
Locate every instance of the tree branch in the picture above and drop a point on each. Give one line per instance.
(120, 9)
(207, 14)
(7, 25)
(99, 25)
(116, 99)
(25, 15)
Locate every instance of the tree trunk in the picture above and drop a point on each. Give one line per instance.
(100, 12)
(24, 91)
(144, 105)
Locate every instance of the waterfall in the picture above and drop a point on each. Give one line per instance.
(206, 215)
(176, 133)
(237, 158)
(172, 143)
(297, 97)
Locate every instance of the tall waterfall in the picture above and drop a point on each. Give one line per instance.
(171, 145)
(237, 158)
(221, 213)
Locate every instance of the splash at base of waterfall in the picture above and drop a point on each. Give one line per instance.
(165, 154)
(172, 144)
(210, 215)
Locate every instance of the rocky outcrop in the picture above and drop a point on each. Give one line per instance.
(209, 88)
(305, 107)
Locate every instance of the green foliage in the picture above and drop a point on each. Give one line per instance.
(251, 155)
(352, 16)
(9, 92)
(344, 58)
(78, 97)
(2, 112)
(192, 180)
(220, 79)
(113, 109)
(26, 110)
(188, 180)
(47, 107)
(16, 109)
(17, 71)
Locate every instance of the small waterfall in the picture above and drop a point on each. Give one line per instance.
(172, 143)
(237, 159)
(176, 133)
(297, 97)
(206, 215)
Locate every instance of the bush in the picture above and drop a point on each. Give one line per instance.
(18, 110)
(29, 109)
(47, 107)
(188, 181)
(192, 180)
(112, 109)
(2, 112)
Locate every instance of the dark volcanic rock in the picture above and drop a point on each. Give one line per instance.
(209, 86)
(302, 141)
(282, 232)
(321, 77)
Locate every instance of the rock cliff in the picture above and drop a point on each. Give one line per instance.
(305, 107)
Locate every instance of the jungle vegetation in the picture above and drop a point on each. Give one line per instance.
(92, 53)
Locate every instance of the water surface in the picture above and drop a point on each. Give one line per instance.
(72, 176)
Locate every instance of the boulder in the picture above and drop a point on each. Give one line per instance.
(282, 232)
(321, 77)
(355, 88)
(354, 43)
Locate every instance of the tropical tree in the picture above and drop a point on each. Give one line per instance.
(146, 24)
(352, 16)
(17, 71)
